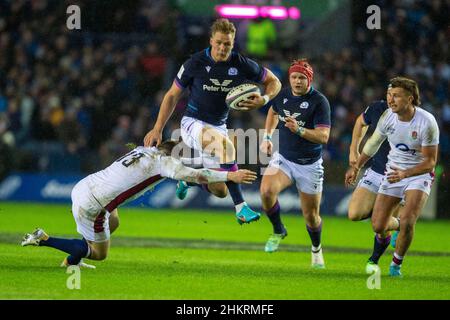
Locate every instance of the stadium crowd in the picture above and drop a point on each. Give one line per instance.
(71, 100)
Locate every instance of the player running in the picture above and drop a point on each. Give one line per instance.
(95, 199)
(302, 116)
(363, 197)
(209, 75)
(413, 136)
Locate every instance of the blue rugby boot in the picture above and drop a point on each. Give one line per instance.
(182, 189)
(247, 215)
(394, 271)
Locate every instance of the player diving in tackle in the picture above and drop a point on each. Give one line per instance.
(95, 199)
(209, 75)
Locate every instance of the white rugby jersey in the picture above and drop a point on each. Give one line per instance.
(406, 139)
(130, 176)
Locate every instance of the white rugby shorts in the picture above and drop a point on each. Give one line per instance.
(92, 220)
(371, 180)
(308, 178)
(191, 133)
(422, 182)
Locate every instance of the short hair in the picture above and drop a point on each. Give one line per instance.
(408, 85)
(167, 146)
(223, 26)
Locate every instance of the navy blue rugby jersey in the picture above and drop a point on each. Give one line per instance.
(311, 110)
(210, 81)
(371, 116)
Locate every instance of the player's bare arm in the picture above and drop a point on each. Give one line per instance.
(272, 87)
(427, 165)
(316, 135)
(205, 176)
(271, 123)
(154, 136)
(370, 148)
(359, 132)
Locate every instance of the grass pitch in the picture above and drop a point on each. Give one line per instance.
(186, 254)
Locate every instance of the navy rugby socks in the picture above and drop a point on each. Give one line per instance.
(77, 249)
(379, 246)
(315, 234)
(233, 188)
(274, 216)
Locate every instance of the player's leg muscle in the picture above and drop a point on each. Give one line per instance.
(273, 182)
(382, 212)
(361, 204)
(218, 189)
(414, 202)
(113, 221)
(218, 145)
(99, 250)
(310, 204)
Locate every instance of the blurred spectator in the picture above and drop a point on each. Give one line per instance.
(64, 94)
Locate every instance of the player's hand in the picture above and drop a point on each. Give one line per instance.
(350, 176)
(395, 175)
(352, 158)
(153, 138)
(291, 124)
(266, 147)
(242, 176)
(254, 101)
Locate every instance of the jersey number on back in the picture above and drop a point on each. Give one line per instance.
(130, 158)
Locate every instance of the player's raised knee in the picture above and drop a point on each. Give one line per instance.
(267, 191)
(221, 193)
(354, 214)
(378, 227)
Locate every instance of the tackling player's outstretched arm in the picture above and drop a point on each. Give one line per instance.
(359, 132)
(174, 169)
(168, 104)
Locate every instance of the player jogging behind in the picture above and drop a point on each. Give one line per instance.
(302, 116)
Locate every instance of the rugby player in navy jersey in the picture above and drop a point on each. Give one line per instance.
(302, 116)
(209, 75)
(363, 197)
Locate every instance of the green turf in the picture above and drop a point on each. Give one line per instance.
(185, 254)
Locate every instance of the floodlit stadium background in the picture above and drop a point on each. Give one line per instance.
(70, 100)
